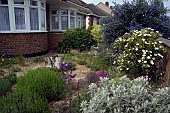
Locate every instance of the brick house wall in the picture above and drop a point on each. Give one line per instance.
(23, 43)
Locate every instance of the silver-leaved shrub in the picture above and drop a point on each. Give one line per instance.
(138, 53)
(126, 96)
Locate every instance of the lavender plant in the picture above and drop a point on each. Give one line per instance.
(126, 96)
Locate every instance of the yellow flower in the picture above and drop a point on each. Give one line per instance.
(3, 59)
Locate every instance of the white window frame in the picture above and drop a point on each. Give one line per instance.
(73, 17)
(59, 17)
(26, 7)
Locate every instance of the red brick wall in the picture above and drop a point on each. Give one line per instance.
(91, 20)
(53, 38)
(23, 43)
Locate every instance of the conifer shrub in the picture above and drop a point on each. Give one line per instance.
(43, 81)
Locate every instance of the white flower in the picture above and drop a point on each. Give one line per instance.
(147, 35)
(139, 61)
(137, 44)
(127, 68)
(140, 35)
(148, 65)
(143, 39)
(160, 55)
(152, 62)
(148, 57)
(126, 45)
(136, 49)
(160, 42)
(155, 55)
(156, 48)
(153, 58)
(145, 61)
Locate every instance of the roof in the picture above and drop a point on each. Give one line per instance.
(103, 7)
(96, 10)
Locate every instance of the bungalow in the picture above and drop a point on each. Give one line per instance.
(35, 26)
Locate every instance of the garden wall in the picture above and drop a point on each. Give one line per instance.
(23, 43)
(166, 62)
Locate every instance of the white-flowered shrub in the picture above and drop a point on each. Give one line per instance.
(126, 96)
(138, 53)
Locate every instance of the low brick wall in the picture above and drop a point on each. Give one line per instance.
(166, 64)
(23, 43)
(53, 39)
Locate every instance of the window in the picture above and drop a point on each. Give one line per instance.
(62, 19)
(79, 21)
(34, 20)
(18, 1)
(55, 19)
(43, 16)
(72, 19)
(4, 16)
(24, 15)
(95, 21)
(4, 2)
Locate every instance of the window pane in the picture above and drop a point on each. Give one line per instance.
(72, 13)
(19, 18)
(54, 12)
(95, 21)
(34, 23)
(55, 22)
(3, 1)
(64, 12)
(42, 19)
(33, 2)
(18, 1)
(4, 18)
(64, 22)
(72, 22)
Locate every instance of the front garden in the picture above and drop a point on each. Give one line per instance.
(109, 68)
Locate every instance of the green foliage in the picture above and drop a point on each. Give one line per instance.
(23, 102)
(15, 69)
(82, 62)
(12, 78)
(20, 60)
(79, 39)
(5, 86)
(126, 96)
(137, 54)
(6, 62)
(38, 59)
(2, 72)
(96, 33)
(43, 81)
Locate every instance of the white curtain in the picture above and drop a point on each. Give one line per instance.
(4, 18)
(34, 23)
(19, 18)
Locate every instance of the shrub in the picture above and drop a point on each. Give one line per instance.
(96, 33)
(135, 15)
(79, 39)
(43, 81)
(23, 102)
(137, 54)
(5, 86)
(126, 96)
(12, 78)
